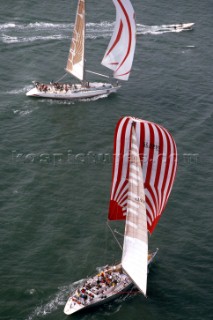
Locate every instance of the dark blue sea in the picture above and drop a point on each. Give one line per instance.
(56, 159)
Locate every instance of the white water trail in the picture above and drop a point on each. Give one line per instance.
(58, 300)
(11, 32)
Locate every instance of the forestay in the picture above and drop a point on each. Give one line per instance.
(135, 247)
(120, 52)
(75, 62)
(158, 156)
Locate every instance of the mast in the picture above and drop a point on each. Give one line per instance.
(75, 62)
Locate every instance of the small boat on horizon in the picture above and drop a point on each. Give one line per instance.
(118, 58)
(180, 26)
(144, 169)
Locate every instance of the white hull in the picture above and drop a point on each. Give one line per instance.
(96, 296)
(182, 26)
(72, 92)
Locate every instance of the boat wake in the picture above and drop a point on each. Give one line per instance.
(22, 113)
(58, 300)
(9, 39)
(42, 31)
(20, 90)
(49, 307)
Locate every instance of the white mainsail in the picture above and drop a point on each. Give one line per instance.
(120, 52)
(75, 62)
(135, 246)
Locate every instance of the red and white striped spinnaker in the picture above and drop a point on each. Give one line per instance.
(158, 155)
(120, 52)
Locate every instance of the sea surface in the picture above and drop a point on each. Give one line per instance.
(56, 160)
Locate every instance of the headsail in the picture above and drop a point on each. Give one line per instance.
(120, 52)
(135, 246)
(75, 62)
(158, 155)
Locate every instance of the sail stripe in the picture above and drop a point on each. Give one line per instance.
(123, 173)
(134, 167)
(150, 165)
(122, 194)
(167, 169)
(133, 175)
(131, 224)
(133, 204)
(158, 180)
(173, 164)
(131, 194)
(129, 37)
(118, 151)
(133, 182)
(158, 156)
(132, 211)
(149, 201)
(117, 39)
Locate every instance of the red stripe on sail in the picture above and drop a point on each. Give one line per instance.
(122, 74)
(168, 159)
(173, 173)
(149, 204)
(159, 165)
(117, 38)
(120, 156)
(130, 34)
(114, 153)
(142, 143)
(147, 182)
(115, 212)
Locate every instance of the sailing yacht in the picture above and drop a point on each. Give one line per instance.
(144, 168)
(118, 58)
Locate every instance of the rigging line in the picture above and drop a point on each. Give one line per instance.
(62, 77)
(114, 235)
(116, 231)
(99, 74)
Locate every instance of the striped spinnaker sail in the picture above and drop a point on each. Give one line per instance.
(158, 155)
(120, 52)
(75, 62)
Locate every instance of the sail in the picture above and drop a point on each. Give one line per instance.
(158, 155)
(120, 52)
(75, 62)
(135, 246)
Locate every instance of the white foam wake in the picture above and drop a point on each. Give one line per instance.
(12, 32)
(58, 300)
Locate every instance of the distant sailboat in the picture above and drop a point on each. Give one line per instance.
(144, 168)
(118, 57)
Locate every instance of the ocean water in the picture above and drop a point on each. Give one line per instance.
(56, 160)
